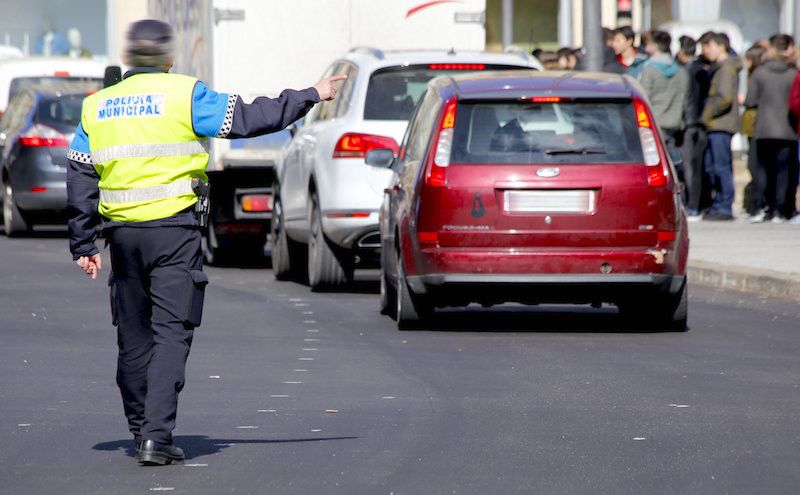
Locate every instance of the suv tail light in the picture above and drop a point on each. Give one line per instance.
(437, 174)
(657, 173)
(355, 145)
(41, 136)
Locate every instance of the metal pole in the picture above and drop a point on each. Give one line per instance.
(592, 35)
(565, 23)
(508, 23)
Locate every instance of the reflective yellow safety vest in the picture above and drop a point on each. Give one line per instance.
(143, 146)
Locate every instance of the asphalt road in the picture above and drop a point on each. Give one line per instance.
(293, 392)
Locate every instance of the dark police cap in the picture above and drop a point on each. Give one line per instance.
(150, 37)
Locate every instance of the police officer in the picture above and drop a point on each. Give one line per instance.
(138, 156)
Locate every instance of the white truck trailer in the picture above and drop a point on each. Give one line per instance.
(260, 47)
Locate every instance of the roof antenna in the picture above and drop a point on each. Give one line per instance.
(452, 51)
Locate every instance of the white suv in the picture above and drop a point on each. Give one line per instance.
(325, 215)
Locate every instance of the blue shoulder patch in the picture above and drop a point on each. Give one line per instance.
(208, 110)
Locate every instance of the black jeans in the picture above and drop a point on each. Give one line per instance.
(755, 191)
(697, 184)
(155, 274)
(779, 159)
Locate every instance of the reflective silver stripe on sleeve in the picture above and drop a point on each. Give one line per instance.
(148, 150)
(77, 156)
(152, 193)
(227, 122)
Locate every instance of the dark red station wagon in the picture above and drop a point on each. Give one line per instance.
(533, 187)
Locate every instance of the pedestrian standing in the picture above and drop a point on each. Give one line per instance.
(627, 54)
(694, 135)
(721, 120)
(754, 199)
(775, 138)
(137, 165)
(666, 84)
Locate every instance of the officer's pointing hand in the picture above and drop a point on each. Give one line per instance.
(91, 264)
(327, 87)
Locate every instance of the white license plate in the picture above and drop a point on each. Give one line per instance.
(541, 201)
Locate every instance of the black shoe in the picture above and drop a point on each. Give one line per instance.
(718, 217)
(156, 454)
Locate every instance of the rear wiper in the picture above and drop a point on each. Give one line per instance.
(575, 151)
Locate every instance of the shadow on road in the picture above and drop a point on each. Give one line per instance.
(543, 319)
(201, 445)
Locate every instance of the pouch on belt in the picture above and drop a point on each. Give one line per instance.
(193, 296)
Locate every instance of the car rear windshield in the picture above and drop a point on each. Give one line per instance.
(21, 83)
(564, 132)
(65, 110)
(393, 92)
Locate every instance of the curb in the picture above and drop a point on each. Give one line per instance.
(763, 282)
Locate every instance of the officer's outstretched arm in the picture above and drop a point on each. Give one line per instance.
(226, 116)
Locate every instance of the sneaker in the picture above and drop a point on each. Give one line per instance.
(694, 218)
(718, 217)
(778, 219)
(757, 218)
(795, 220)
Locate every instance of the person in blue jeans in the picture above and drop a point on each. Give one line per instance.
(721, 119)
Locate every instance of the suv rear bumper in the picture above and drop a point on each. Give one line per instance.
(462, 288)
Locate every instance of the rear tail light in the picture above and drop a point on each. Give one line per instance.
(61, 73)
(657, 173)
(256, 203)
(357, 214)
(428, 239)
(38, 189)
(356, 145)
(41, 136)
(437, 175)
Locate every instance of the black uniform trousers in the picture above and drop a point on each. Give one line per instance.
(157, 287)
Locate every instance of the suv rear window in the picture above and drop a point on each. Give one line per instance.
(602, 131)
(65, 110)
(393, 92)
(21, 83)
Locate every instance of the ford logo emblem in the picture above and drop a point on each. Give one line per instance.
(547, 172)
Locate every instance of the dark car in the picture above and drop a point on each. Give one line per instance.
(35, 133)
(533, 188)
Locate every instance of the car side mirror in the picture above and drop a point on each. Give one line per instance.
(676, 156)
(380, 158)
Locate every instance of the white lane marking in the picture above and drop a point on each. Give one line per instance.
(310, 349)
(308, 312)
(309, 321)
(313, 330)
(278, 396)
(300, 370)
(679, 405)
(300, 305)
(389, 397)
(295, 299)
(23, 425)
(305, 359)
(224, 444)
(292, 383)
(214, 377)
(266, 410)
(310, 340)
(196, 465)
(639, 438)
(247, 427)
(331, 411)
(162, 489)
(316, 430)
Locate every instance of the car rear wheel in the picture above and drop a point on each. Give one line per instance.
(388, 298)
(666, 312)
(326, 269)
(411, 309)
(213, 252)
(286, 253)
(14, 223)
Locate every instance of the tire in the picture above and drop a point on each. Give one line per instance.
(411, 309)
(14, 223)
(388, 297)
(213, 253)
(667, 312)
(326, 270)
(286, 253)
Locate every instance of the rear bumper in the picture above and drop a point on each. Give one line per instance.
(462, 288)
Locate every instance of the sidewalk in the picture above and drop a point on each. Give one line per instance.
(760, 258)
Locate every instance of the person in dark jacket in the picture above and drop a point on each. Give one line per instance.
(697, 194)
(721, 119)
(754, 199)
(628, 56)
(775, 138)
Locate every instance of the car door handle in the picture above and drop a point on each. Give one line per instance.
(394, 188)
